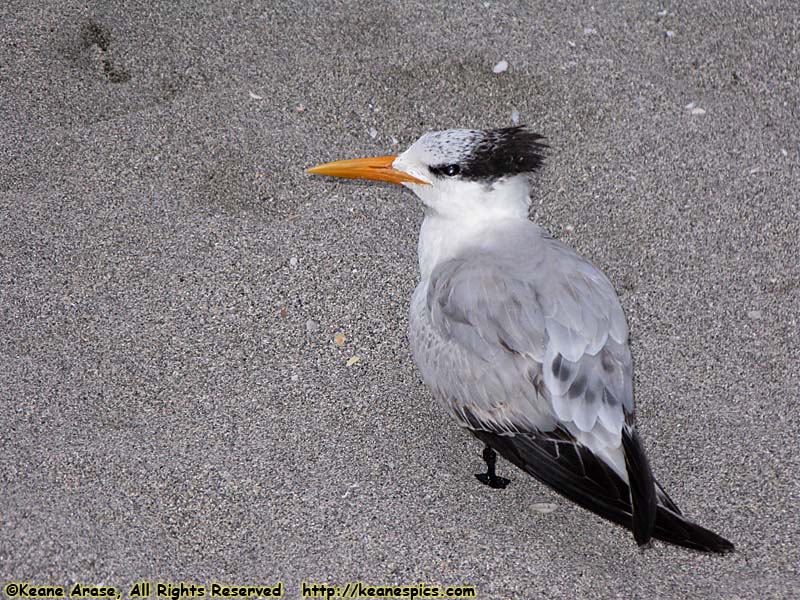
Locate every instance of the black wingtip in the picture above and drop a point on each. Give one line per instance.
(678, 530)
(723, 546)
(642, 486)
(577, 474)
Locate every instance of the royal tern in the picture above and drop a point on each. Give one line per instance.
(522, 340)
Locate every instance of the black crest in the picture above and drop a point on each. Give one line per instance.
(503, 152)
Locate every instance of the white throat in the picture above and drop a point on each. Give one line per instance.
(455, 222)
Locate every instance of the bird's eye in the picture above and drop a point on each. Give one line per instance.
(448, 170)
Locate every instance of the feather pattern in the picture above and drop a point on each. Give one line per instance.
(538, 345)
(521, 339)
(532, 357)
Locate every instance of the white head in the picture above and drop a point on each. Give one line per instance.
(472, 172)
(459, 173)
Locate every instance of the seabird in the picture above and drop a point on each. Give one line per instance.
(521, 339)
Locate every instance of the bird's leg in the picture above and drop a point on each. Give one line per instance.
(490, 478)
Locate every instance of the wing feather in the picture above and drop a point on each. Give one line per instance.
(524, 353)
(554, 340)
(533, 359)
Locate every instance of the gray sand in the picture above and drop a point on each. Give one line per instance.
(171, 282)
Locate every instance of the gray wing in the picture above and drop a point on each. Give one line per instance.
(532, 357)
(510, 347)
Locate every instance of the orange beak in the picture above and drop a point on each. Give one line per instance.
(378, 168)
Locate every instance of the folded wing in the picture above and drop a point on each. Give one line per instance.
(534, 361)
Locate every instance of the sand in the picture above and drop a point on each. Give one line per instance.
(175, 406)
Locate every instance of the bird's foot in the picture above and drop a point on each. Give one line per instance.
(491, 478)
(493, 481)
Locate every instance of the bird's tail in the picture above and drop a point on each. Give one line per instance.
(578, 474)
(677, 529)
(654, 513)
(671, 526)
(642, 486)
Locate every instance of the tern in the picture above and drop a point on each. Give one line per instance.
(521, 339)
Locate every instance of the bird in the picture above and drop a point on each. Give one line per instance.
(521, 339)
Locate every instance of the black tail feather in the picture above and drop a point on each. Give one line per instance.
(576, 473)
(642, 486)
(665, 500)
(678, 530)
